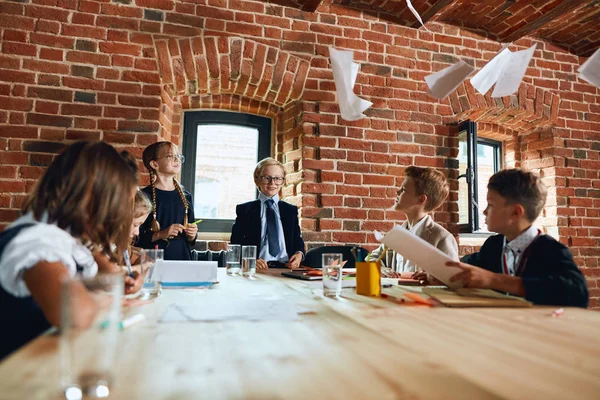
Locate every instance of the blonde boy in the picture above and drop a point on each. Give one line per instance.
(423, 190)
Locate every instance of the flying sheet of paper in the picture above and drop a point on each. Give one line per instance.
(590, 70)
(416, 14)
(513, 72)
(423, 254)
(345, 72)
(443, 82)
(489, 74)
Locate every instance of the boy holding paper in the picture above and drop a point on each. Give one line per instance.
(423, 190)
(521, 260)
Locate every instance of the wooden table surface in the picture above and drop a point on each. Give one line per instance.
(352, 348)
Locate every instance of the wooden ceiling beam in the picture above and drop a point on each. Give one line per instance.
(564, 8)
(438, 8)
(310, 5)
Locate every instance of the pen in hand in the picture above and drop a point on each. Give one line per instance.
(128, 263)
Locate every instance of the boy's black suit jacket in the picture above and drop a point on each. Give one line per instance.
(247, 227)
(550, 275)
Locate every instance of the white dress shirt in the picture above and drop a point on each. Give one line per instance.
(41, 242)
(512, 252)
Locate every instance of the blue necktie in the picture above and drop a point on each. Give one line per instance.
(272, 233)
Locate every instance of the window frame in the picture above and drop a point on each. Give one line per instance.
(471, 174)
(191, 121)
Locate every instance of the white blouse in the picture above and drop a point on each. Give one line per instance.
(41, 242)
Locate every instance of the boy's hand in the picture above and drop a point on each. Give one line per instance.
(132, 285)
(427, 278)
(261, 265)
(294, 261)
(389, 273)
(472, 276)
(190, 231)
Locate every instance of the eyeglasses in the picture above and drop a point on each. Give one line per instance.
(268, 179)
(173, 157)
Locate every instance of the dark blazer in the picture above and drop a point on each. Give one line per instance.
(247, 229)
(550, 275)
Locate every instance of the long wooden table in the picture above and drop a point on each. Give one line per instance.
(352, 348)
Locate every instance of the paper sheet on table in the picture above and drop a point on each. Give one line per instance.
(250, 309)
(443, 82)
(423, 254)
(345, 72)
(513, 72)
(416, 14)
(489, 74)
(590, 70)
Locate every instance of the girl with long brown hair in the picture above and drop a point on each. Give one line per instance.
(169, 225)
(81, 206)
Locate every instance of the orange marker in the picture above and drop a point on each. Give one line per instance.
(417, 298)
(393, 298)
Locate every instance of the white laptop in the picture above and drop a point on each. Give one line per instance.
(177, 274)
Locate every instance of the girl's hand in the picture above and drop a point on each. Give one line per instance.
(133, 285)
(190, 231)
(172, 231)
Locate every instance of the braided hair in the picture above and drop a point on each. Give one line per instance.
(151, 154)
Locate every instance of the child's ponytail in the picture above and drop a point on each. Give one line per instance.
(155, 226)
(183, 199)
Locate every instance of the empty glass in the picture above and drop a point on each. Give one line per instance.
(151, 260)
(249, 261)
(332, 274)
(233, 259)
(89, 340)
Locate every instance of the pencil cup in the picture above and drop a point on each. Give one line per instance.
(368, 278)
(89, 341)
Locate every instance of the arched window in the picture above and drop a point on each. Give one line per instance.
(221, 149)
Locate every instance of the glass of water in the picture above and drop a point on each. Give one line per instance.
(332, 274)
(249, 261)
(233, 259)
(151, 260)
(89, 341)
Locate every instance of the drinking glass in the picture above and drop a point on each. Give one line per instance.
(332, 274)
(233, 259)
(249, 261)
(89, 337)
(151, 260)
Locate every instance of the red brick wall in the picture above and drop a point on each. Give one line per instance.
(120, 71)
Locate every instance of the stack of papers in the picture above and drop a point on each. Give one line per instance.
(423, 254)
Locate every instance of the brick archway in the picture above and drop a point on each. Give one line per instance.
(219, 65)
(529, 109)
(525, 122)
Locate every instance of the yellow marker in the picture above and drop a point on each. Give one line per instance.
(196, 222)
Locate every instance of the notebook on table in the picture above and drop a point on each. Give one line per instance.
(181, 274)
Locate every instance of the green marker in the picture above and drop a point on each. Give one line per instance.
(196, 222)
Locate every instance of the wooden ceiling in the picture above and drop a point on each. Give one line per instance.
(571, 24)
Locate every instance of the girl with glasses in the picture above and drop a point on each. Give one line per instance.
(168, 225)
